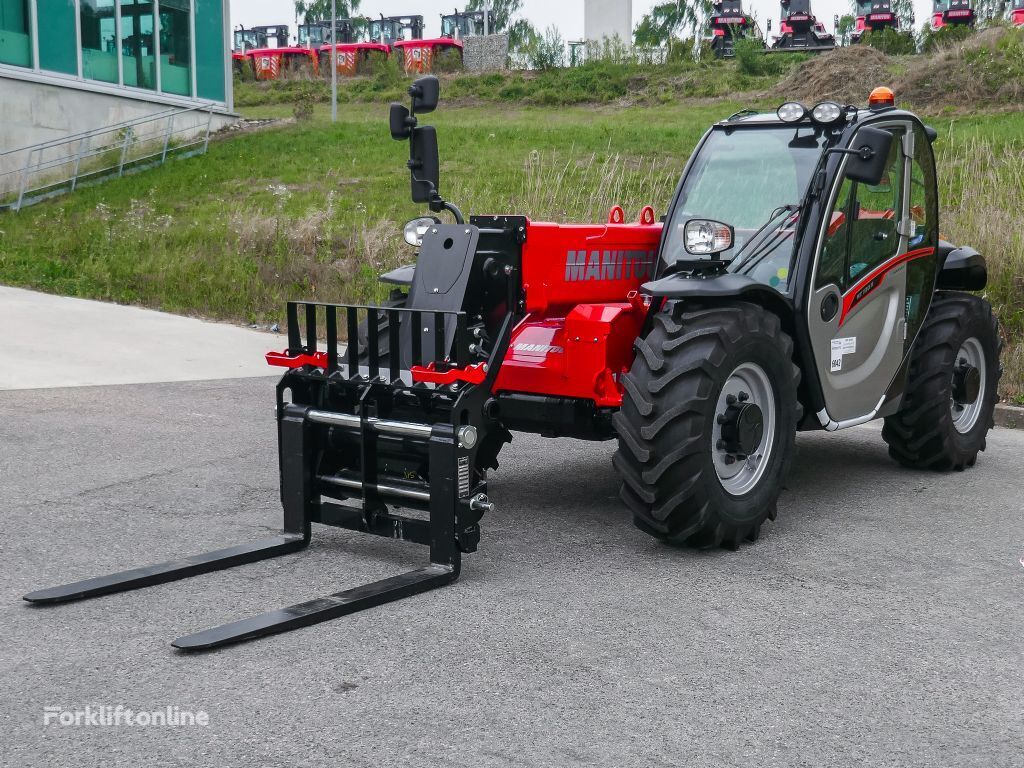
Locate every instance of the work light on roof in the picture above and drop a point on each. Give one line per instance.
(826, 112)
(792, 112)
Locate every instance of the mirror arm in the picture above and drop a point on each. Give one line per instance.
(864, 153)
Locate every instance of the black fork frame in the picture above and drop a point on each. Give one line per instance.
(452, 525)
(374, 406)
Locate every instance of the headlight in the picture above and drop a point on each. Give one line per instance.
(827, 112)
(704, 237)
(417, 228)
(791, 112)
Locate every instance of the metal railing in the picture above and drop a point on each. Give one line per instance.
(60, 166)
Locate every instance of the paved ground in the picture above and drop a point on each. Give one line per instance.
(878, 622)
(100, 343)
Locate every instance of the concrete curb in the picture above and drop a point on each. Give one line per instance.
(1009, 416)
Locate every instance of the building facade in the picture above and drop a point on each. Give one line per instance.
(69, 66)
(608, 19)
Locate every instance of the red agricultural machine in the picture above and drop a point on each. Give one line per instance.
(874, 16)
(278, 56)
(420, 56)
(1017, 13)
(952, 13)
(729, 23)
(463, 24)
(796, 282)
(246, 40)
(800, 30)
(387, 30)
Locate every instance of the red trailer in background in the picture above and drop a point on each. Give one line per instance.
(271, 63)
(418, 56)
(350, 56)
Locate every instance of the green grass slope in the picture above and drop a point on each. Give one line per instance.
(314, 210)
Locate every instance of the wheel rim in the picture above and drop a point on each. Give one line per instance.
(739, 472)
(965, 415)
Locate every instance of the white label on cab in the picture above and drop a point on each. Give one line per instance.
(840, 347)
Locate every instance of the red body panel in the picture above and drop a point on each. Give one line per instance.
(418, 55)
(582, 320)
(1017, 17)
(583, 313)
(268, 63)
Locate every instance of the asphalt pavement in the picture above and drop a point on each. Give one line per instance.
(877, 623)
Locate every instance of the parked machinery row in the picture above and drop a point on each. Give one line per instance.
(268, 52)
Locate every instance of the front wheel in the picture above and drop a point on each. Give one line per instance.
(708, 424)
(952, 388)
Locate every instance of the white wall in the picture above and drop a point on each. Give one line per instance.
(607, 18)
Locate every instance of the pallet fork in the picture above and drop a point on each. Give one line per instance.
(410, 424)
(344, 436)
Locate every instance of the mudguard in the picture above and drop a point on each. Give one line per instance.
(723, 286)
(963, 269)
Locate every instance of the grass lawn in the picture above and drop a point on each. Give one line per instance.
(314, 210)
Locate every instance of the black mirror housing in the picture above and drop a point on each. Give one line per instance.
(401, 130)
(425, 165)
(868, 155)
(425, 94)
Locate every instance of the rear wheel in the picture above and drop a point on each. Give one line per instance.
(952, 388)
(707, 424)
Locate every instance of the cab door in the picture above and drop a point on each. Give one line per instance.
(856, 313)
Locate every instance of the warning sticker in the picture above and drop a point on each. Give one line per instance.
(840, 347)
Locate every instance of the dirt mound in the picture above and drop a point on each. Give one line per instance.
(986, 69)
(845, 75)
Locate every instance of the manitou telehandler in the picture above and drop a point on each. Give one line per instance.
(460, 25)
(799, 30)
(952, 13)
(1017, 13)
(796, 282)
(874, 16)
(728, 24)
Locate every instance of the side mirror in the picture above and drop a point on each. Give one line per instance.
(425, 164)
(401, 128)
(425, 93)
(868, 156)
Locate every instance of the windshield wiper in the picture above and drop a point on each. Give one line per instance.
(754, 253)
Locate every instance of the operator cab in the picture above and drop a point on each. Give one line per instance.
(835, 210)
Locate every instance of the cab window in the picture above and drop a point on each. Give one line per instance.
(862, 225)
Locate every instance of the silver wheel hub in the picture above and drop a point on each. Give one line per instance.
(744, 430)
(967, 394)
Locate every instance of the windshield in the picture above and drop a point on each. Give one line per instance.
(753, 179)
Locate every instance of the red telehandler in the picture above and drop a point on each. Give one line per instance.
(799, 30)
(952, 13)
(796, 282)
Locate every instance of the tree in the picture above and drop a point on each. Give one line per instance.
(665, 20)
(845, 29)
(320, 10)
(521, 33)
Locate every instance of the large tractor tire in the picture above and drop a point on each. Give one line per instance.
(952, 387)
(708, 424)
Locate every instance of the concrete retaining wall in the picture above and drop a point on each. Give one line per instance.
(38, 112)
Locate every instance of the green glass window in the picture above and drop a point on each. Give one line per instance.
(176, 47)
(15, 42)
(138, 46)
(210, 49)
(99, 40)
(58, 49)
